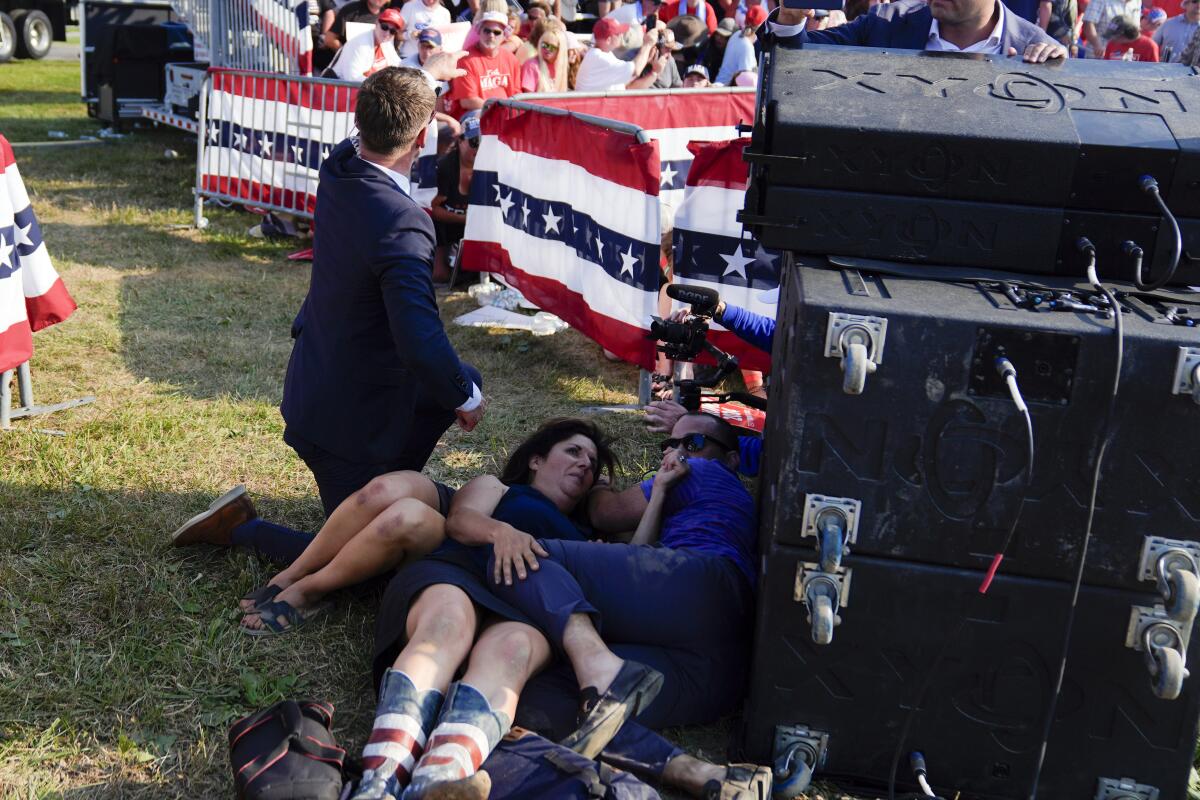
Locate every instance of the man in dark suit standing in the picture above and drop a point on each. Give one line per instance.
(961, 26)
(373, 380)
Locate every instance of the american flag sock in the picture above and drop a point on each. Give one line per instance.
(466, 732)
(402, 721)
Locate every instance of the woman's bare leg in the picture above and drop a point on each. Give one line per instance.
(351, 517)
(440, 628)
(404, 531)
(477, 712)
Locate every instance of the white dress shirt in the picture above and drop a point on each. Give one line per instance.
(989, 45)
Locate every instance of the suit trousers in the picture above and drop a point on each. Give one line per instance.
(337, 478)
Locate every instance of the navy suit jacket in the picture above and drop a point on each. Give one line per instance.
(369, 341)
(904, 25)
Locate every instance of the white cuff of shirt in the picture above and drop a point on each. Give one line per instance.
(473, 401)
(786, 31)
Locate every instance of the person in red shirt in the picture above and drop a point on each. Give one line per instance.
(492, 71)
(1127, 43)
(697, 8)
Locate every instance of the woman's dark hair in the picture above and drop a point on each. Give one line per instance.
(540, 442)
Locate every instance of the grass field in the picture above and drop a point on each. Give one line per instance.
(121, 664)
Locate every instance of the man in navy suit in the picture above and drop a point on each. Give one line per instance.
(373, 380)
(963, 26)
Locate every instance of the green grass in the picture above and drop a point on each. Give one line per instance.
(120, 661)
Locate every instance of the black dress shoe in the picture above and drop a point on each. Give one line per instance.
(634, 688)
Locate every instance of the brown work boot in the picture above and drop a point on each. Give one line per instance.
(215, 526)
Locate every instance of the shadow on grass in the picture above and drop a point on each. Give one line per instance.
(123, 661)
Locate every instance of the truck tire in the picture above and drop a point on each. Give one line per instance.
(34, 33)
(8, 38)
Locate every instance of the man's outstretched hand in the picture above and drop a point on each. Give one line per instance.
(444, 66)
(661, 415)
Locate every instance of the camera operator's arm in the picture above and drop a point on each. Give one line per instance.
(746, 325)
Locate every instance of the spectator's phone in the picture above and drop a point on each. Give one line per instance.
(829, 5)
(651, 22)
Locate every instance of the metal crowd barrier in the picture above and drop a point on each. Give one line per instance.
(263, 137)
(264, 35)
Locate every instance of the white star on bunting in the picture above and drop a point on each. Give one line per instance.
(599, 247)
(497, 188)
(551, 220)
(214, 131)
(23, 235)
(525, 213)
(298, 152)
(5, 253)
(239, 140)
(668, 176)
(629, 261)
(265, 145)
(761, 255)
(324, 153)
(736, 263)
(505, 204)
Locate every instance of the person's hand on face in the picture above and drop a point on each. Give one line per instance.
(443, 66)
(673, 469)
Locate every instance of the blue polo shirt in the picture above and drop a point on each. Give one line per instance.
(710, 512)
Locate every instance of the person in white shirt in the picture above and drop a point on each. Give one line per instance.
(1173, 37)
(1099, 14)
(370, 51)
(601, 71)
(419, 15)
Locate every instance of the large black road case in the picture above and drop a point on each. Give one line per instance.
(977, 160)
(896, 464)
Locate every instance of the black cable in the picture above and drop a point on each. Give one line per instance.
(1150, 187)
(970, 607)
(1088, 250)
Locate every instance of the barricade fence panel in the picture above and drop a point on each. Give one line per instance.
(266, 35)
(265, 135)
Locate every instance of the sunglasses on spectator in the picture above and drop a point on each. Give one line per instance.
(691, 443)
(387, 28)
(553, 48)
(491, 31)
(473, 142)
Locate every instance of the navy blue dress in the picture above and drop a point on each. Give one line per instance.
(466, 567)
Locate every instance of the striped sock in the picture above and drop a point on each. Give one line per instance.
(398, 736)
(465, 734)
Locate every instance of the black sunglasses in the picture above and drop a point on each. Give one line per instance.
(691, 443)
(474, 142)
(387, 28)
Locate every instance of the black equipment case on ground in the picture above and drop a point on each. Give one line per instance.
(923, 472)
(979, 160)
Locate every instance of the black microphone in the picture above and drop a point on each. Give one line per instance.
(702, 299)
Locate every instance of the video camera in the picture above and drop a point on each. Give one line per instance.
(684, 341)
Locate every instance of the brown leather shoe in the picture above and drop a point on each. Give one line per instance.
(215, 526)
